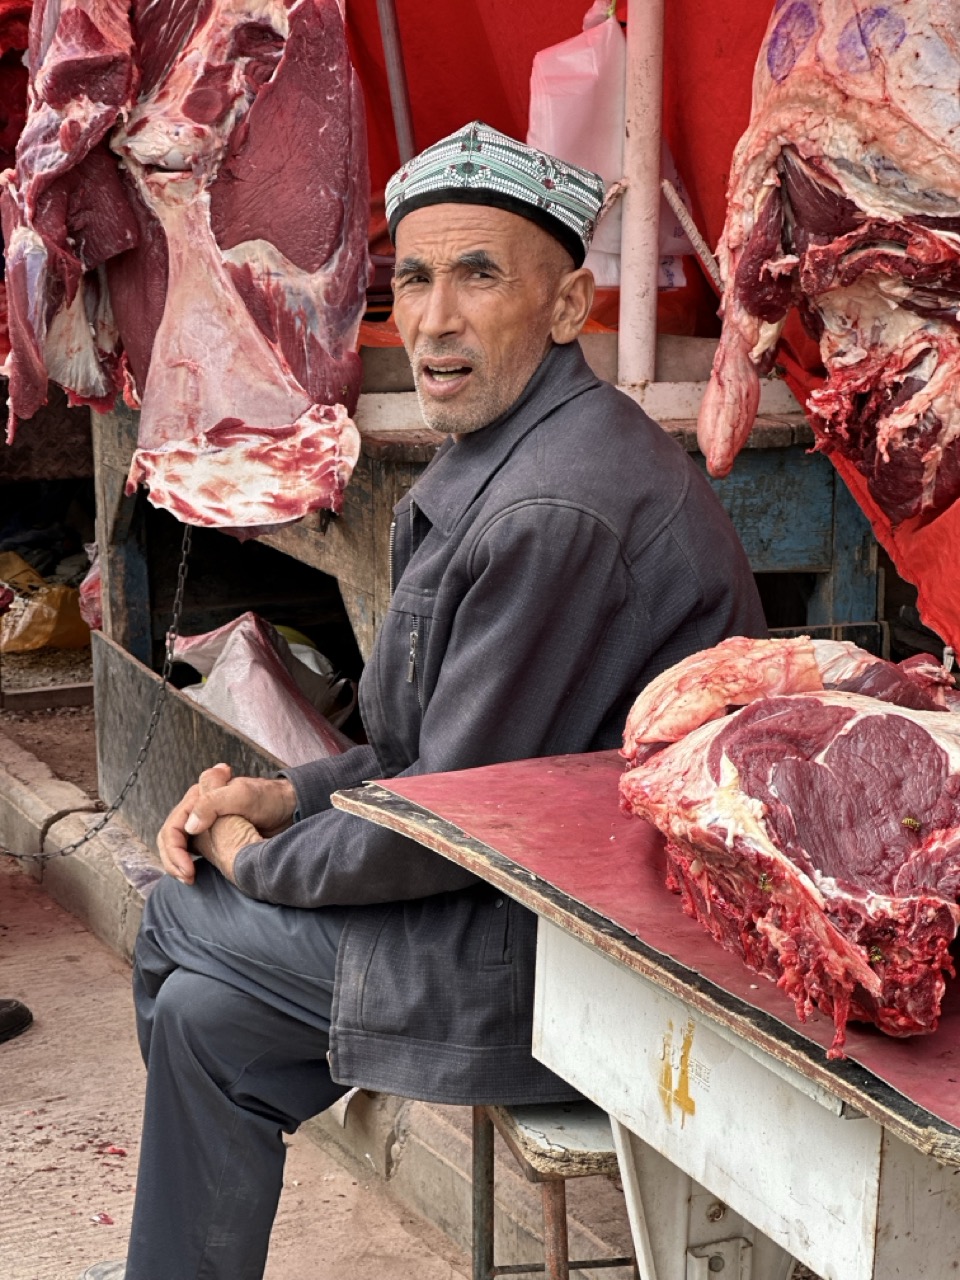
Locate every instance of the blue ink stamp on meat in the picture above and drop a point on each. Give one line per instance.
(868, 37)
(790, 37)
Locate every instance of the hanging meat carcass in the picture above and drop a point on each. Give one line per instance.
(844, 202)
(188, 222)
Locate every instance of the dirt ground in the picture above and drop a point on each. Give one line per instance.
(71, 1089)
(63, 737)
(45, 667)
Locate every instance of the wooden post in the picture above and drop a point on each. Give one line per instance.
(125, 586)
(640, 244)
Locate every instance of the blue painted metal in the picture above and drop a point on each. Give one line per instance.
(781, 503)
(795, 515)
(849, 592)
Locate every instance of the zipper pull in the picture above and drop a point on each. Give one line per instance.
(412, 663)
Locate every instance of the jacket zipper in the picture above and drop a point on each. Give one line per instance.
(391, 547)
(415, 630)
(412, 659)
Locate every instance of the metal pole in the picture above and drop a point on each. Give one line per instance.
(483, 1201)
(640, 244)
(396, 79)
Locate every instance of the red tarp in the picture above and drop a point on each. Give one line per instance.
(472, 60)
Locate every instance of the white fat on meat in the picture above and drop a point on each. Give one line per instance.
(206, 345)
(255, 480)
(704, 686)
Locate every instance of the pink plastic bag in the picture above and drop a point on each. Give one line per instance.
(91, 603)
(578, 112)
(255, 685)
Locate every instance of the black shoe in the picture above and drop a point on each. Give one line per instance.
(14, 1018)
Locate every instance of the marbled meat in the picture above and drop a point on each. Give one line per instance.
(844, 202)
(817, 833)
(187, 222)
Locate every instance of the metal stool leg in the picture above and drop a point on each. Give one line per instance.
(482, 1195)
(556, 1255)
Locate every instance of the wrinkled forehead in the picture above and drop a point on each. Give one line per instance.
(442, 234)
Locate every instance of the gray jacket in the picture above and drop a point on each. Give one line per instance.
(546, 568)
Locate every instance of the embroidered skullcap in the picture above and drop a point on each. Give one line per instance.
(480, 165)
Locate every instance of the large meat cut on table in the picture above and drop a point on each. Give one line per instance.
(187, 222)
(844, 203)
(815, 833)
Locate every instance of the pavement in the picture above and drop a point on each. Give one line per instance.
(70, 1098)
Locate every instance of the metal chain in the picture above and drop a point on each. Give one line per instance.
(158, 703)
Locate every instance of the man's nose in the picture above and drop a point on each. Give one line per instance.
(441, 311)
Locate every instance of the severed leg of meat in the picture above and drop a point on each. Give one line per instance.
(188, 221)
(200, 460)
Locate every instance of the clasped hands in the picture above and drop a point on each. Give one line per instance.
(219, 816)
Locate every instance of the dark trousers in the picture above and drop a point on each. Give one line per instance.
(233, 1002)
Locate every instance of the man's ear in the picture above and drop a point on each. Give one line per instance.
(572, 307)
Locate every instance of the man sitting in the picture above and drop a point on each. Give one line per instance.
(558, 553)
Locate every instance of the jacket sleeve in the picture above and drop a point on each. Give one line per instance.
(316, 782)
(546, 578)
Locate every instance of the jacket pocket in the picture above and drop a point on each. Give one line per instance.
(426, 976)
(496, 948)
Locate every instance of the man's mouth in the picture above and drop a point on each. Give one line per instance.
(443, 377)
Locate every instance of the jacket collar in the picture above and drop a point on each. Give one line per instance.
(461, 468)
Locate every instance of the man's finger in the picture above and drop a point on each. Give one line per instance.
(207, 808)
(172, 843)
(212, 779)
(175, 856)
(218, 775)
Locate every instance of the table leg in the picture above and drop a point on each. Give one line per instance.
(636, 1211)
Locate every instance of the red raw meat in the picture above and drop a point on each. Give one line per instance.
(844, 203)
(82, 75)
(740, 670)
(217, 271)
(817, 834)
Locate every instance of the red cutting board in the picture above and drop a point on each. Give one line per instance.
(559, 818)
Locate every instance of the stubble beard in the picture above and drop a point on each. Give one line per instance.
(489, 398)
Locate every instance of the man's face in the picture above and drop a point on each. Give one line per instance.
(474, 295)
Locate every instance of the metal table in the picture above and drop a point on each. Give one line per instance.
(742, 1148)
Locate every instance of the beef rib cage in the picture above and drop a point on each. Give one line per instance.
(844, 203)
